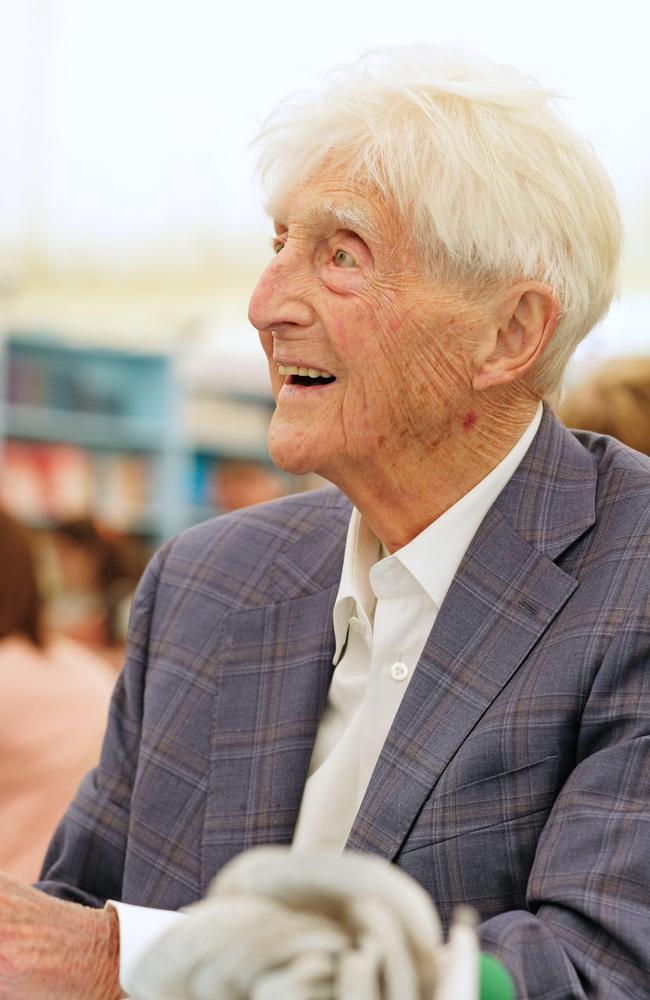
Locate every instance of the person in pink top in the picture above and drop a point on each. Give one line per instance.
(54, 697)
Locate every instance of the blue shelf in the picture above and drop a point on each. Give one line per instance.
(117, 408)
(222, 451)
(91, 430)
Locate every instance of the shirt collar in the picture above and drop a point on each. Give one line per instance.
(355, 595)
(433, 556)
(427, 563)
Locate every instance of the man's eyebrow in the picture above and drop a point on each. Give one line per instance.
(343, 215)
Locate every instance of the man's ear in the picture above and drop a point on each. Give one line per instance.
(526, 318)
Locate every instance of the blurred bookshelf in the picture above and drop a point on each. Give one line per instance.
(219, 428)
(117, 434)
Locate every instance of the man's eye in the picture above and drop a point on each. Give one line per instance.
(276, 244)
(343, 259)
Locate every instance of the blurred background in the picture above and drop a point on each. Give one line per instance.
(134, 399)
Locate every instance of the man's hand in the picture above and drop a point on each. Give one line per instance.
(50, 950)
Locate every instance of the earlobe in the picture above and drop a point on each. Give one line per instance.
(525, 324)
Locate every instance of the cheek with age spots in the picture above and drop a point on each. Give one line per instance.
(469, 421)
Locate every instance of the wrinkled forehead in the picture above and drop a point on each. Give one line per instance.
(332, 196)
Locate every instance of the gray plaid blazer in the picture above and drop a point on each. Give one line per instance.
(516, 775)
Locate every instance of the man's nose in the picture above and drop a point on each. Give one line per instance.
(281, 295)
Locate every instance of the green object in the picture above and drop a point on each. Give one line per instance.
(495, 982)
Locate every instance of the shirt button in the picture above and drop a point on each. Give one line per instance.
(399, 671)
(357, 625)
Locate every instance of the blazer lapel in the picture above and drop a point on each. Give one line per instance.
(505, 595)
(272, 677)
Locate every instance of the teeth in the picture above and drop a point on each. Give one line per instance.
(295, 370)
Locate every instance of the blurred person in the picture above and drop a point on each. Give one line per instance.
(97, 570)
(441, 659)
(54, 697)
(615, 400)
(242, 484)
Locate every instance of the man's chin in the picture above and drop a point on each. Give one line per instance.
(292, 456)
(293, 464)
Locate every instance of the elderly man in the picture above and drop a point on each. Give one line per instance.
(443, 659)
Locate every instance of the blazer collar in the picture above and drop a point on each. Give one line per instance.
(551, 498)
(549, 501)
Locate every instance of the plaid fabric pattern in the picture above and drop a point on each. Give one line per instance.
(516, 775)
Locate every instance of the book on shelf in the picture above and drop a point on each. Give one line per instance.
(44, 483)
(58, 382)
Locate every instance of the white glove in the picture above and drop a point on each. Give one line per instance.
(283, 926)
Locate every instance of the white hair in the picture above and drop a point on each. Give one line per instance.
(477, 160)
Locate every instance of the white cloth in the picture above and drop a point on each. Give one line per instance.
(384, 611)
(275, 926)
(140, 926)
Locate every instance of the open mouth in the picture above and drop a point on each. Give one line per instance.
(305, 376)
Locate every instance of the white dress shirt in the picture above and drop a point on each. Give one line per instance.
(385, 608)
(384, 611)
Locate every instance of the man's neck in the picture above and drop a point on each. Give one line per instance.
(398, 499)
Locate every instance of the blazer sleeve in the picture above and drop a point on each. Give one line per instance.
(586, 929)
(85, 860)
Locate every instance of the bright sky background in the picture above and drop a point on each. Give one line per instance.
(126, 123)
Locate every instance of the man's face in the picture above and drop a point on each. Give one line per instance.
(388, 352)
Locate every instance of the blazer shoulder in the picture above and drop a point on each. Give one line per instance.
(609, 452)
(623, 475)
(615, 553)
(271, 525)
(228, 559)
